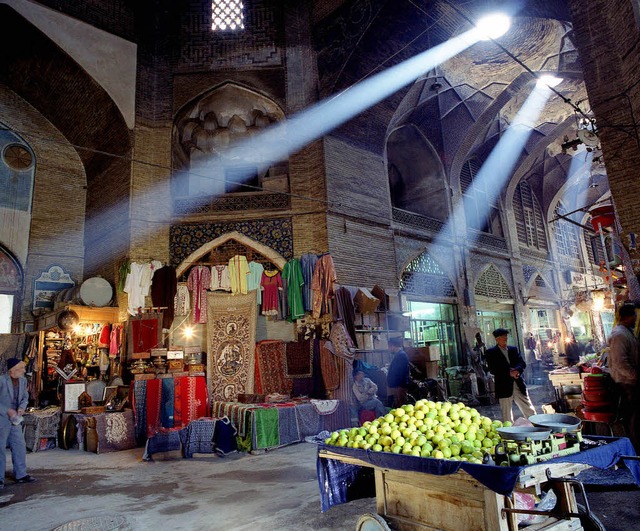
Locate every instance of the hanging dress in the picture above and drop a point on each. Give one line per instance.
(271, 283)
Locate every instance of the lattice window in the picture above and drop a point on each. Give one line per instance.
(539, 281)
(529, 218)
(227, 15)
(423, 276)
(492, 284)
(528, 272)
(567, 236)
(480, 203)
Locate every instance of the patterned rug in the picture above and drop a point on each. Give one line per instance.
(115, 432)
(231, 330)
(299, 359)
(270, 358)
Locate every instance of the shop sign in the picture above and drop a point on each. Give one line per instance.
(585, 281)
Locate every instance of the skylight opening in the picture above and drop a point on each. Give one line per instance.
(227, 15)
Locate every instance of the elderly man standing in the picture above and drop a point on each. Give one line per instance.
(506, 365)
(13, 402)
(622, 361)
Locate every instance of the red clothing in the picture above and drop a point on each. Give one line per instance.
(270, 284)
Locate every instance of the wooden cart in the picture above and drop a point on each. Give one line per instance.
(411, 500)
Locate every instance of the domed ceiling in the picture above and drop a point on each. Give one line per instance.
(463, 105)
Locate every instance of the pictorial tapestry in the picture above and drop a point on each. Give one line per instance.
(231, 332)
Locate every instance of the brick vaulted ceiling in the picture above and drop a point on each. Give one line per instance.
(463, 106)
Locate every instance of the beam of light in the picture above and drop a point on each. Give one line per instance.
(549, 81)
(279, 141)
(493, 26)
(497, 169)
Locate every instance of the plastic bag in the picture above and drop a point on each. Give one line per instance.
(527, 501)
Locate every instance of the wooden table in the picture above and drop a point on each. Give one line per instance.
(458, 502)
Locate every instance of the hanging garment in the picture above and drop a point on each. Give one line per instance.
(198, 282)
(343, 309)
(283, 304)
(254, 278)
(138, 283)
(271, 283)
(115, 340)
(308, 263)
(163, 293)
(182, 301)
(238, 271)
(220, 278)
(292, 273)
(105, 336)
(324, 276)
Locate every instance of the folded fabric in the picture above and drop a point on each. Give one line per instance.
(325, 407)
(265, 428)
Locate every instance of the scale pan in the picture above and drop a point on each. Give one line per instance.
(556, 422)
(522, 433)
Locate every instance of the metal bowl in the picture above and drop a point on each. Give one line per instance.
(557, 422)
(523, 433)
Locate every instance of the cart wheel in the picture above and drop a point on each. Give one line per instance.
(372, 522)
(590, 522)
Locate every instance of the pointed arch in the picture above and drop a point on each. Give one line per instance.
(276, 258)
(11, 272)
(491, 283)
(423, 276)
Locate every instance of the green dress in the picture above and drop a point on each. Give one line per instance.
(292, 273)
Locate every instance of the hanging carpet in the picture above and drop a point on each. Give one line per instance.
(299, 359)
(271, 367)
(231, 329)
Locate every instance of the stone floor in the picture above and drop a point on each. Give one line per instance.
(277, 490)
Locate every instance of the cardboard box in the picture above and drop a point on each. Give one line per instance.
(365, 302)
(432, 369)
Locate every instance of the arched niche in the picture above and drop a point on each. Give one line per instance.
(203, 131)
(492, 284)
(200, 254)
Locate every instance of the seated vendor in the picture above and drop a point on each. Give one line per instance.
(365, 392)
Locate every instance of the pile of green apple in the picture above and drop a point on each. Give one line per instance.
(442, 430)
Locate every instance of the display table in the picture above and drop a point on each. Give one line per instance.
(201, 436)
(268, 426)
(452, 495)
(41, 428)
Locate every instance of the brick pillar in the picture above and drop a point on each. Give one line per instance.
(607, 38)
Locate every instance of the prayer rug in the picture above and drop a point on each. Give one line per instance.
(195, 399)
(270, 358)
(154, 404)
(166, 411)
(140, 409)
(299, 357)
(231, 329)
(115, 432)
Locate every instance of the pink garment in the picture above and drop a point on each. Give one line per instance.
(114, 343)
(270, 284)
(198, 282)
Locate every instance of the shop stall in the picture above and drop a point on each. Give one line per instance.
(415, 492)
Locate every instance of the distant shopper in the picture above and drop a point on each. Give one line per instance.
(572, 351)
(622, 361)
(507, 366)
(13, 403)
(398, 375)
(365, 392)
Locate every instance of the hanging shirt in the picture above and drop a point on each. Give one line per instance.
(254, 278)
(138, 283)
(271, 283)
(198, 282)
(220, 278)
(324, 276)
(238, 271)
(292, 273)
(182, 301)
(308, 263)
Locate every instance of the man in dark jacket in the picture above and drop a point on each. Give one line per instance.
(506, 365)
(398, 375)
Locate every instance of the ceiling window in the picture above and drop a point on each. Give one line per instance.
(529, 219)
(227, 15)
(480, 203)
(567, 237)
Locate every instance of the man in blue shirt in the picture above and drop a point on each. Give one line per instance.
(13, 402)
(398, 375)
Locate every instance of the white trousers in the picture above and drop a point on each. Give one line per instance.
(521, 399)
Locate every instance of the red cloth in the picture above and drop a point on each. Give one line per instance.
(145, 334)
(195, 402)
(153, 406)
(105, 336)
(178, 400)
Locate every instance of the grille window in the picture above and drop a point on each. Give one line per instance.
(227, 15)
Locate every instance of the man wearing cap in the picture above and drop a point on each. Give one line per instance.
(13, 402)
(507, 365)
